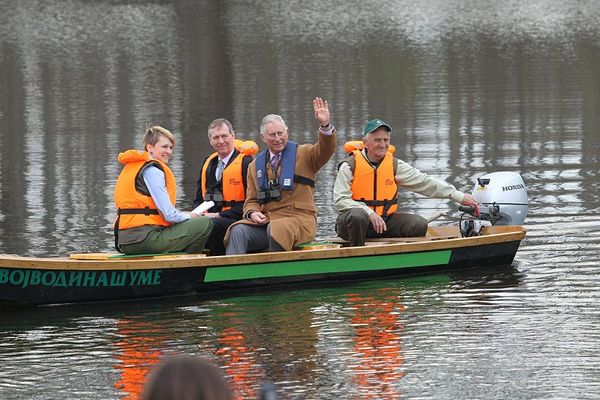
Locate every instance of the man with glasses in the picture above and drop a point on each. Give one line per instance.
(280, 211)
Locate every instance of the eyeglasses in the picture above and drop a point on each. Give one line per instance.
(273, 135)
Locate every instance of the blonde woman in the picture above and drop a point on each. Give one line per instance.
(145, 194)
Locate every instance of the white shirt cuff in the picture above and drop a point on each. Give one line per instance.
(329, 131)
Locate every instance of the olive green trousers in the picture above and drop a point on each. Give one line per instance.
(189, 236)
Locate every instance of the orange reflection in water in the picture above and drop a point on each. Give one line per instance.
(140, 352)
(377, 344)
(239, 363)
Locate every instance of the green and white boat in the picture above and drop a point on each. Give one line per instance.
(31, 280)
(492, 239)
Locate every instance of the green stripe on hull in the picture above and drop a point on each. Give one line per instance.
(327, 266)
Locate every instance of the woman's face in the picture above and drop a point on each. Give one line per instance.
(161, 150)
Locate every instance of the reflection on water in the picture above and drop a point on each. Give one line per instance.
(469, 86)
(284, 337)
(240, 363)
(377, 344)
(380, 339)
(137, 351)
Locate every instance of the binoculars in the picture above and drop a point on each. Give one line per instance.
(271, 193)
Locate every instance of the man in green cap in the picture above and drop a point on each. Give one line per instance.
(366, 191)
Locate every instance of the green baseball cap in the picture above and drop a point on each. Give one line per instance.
(375, 124)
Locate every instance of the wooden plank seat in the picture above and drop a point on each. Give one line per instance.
(117, 256)
(379, 241)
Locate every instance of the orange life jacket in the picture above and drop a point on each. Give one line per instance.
(135, 206)
(232, 191)
(376, 187)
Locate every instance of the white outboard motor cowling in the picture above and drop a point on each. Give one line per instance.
(502, 197)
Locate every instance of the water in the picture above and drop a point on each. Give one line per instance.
(469, 87)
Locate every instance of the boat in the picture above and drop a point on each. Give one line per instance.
(57, 280)
(487, 240)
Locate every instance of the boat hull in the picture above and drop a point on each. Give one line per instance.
(25, 280)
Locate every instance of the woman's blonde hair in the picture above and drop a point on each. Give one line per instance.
(153, 134)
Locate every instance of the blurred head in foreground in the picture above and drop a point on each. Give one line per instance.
(186, 378)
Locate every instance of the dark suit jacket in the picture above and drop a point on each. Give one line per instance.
(211, 182)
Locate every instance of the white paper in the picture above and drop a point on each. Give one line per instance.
(203, 207)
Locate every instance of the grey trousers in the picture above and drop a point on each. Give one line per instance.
(354, 225)
(189, 236)
(244, 238)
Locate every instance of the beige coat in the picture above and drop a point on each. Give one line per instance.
(293, 219)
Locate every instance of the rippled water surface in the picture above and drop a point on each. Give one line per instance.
(470, 87)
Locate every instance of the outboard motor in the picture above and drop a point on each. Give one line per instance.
(502, 198)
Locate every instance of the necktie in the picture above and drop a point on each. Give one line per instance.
(275, 161)
(220, 168)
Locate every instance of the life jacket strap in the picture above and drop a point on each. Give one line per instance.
(217, 198)
(386, 204)
(232, 203)
(145, 211)
(122, 211)
(304, 180)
